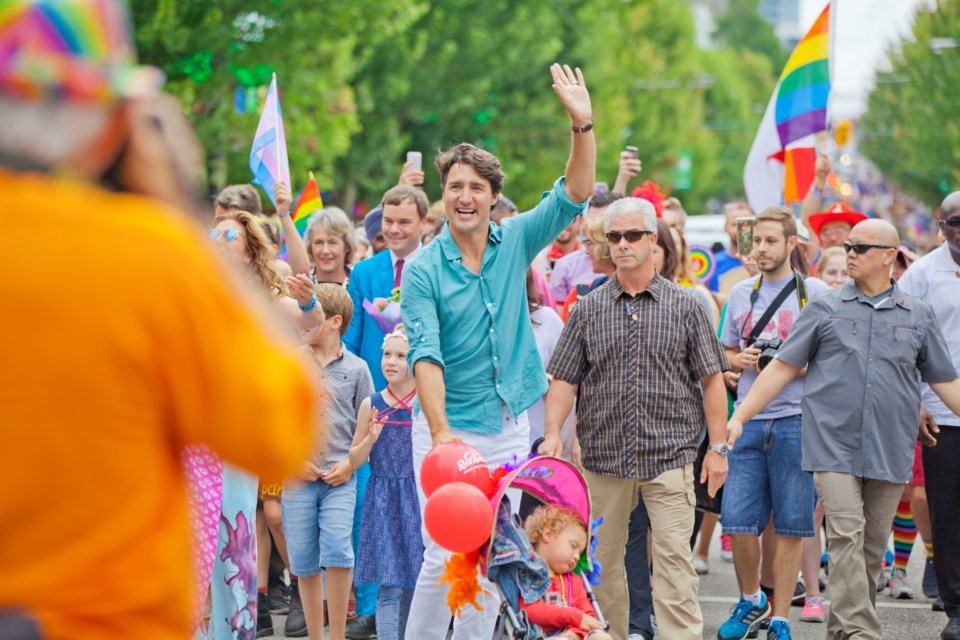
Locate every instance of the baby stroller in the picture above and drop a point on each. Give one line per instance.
(508, 559)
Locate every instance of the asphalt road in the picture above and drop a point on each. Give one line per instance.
(901, 619)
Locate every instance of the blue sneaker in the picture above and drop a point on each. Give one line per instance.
(744, 617)
(779, 630)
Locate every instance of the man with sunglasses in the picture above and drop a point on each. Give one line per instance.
(935, 278)
(862, 345)
(649, 369)
(765, 472)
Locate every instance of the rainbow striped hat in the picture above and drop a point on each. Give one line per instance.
(78, 50)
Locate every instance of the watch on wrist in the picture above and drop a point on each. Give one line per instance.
(719, 448)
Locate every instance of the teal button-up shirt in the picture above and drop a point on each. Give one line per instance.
(477, 327)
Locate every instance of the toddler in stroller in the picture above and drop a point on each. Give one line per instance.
(548, 586)
(559, 536)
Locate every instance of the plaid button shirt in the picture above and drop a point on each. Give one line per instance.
(638, 361)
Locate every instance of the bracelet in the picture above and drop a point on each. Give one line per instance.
(311, 305)
(584, 128)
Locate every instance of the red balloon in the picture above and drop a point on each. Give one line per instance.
(458, 517)
(455, 461)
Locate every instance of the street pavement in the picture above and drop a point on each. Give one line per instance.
(901, 619)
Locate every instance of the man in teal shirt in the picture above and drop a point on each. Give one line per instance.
(464, 306)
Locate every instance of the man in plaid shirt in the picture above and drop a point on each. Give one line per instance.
(648, 366)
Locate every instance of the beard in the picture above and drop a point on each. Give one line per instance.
(777, 263)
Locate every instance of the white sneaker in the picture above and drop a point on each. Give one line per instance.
(700, 566)
(899, 587)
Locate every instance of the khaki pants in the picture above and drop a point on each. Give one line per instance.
(670, 503)
(859, 513)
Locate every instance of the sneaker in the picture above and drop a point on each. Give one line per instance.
(779, 630)
(264, 621)
(744, 617)
(899, 587)
(701, 567)
(799, 595)
(882, 581)
(296, 624)
(637, 636)
(726, 548)
(930, 589)
(362, 628)
(813, 610)
(938, 604)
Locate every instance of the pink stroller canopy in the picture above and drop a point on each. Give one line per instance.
(552, 481)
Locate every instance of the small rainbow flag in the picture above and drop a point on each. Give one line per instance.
(780, 166)
(308, 202)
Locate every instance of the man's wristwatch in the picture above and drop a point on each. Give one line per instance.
(719, 448)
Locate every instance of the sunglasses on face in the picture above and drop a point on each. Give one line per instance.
(953, 223)
(613, 237)
(861, 249)
(229, 234)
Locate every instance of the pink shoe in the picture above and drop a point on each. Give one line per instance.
(813, 610)
(726, 548)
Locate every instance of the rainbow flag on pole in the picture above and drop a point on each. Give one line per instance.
(268, 156)
(780, 167)
(308, 202)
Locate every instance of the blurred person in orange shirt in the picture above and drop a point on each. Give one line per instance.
(126, 339)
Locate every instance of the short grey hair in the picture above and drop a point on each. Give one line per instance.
(49, 133)
(632, 205)
(336, 222)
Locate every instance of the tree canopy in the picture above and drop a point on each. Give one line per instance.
(910, 130)
(362, 82)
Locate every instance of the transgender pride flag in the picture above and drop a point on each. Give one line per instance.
(268, 157)
(780, 166)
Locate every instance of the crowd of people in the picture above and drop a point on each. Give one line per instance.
(247, 412)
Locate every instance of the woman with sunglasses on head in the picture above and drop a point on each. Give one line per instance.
(241, 238)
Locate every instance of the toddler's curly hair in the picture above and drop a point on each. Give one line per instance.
(553, 517)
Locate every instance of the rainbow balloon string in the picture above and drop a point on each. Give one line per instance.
(703, 262)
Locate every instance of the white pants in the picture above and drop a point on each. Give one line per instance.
(429, 615)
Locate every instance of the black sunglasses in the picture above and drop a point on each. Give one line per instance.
(953, 223)
(861, 249)
(613, 237)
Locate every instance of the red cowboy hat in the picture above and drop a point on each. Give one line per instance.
(840, 212)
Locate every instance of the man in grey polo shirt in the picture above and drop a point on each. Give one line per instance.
(862, 345)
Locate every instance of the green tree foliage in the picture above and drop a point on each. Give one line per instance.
(364, 81)
(910, 130)
(742, 28)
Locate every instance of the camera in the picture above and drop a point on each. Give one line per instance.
(768, 351)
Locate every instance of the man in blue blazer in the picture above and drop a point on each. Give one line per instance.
(404, 211)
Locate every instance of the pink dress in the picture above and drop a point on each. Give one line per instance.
(204, 473)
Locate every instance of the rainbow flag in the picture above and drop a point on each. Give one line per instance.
(308, 202)
(268, 156)
(780, 166)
